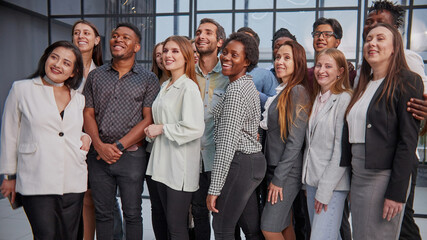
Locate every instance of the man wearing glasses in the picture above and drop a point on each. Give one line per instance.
(327, 33)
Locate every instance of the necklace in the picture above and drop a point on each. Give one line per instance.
(48, 80)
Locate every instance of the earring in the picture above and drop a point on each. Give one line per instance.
(338, 77)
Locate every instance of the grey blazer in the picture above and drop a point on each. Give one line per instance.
(322, 155)
(286, 156)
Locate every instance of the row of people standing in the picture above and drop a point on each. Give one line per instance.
(237, 58)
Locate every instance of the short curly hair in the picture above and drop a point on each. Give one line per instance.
(397, 11)
(251, 47)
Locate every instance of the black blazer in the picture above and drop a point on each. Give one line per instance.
(391, 135)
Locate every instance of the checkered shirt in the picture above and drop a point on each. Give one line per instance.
(236, 126)
(118, 102)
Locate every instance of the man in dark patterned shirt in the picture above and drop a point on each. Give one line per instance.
(118, 108)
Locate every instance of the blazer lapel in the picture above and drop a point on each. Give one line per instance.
(329, 104)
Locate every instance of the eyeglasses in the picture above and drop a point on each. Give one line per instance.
(326, 34)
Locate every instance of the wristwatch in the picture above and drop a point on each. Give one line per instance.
(9, 176)
(120, 146)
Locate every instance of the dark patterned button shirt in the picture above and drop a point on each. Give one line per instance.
(118, 102)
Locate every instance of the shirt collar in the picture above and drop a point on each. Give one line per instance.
(216, 69)
(324, 97)
(136, 68)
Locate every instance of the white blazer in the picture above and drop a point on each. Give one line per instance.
(322, 155)
(40, 147)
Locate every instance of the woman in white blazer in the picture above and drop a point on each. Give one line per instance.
(327, 183)
(43, 149)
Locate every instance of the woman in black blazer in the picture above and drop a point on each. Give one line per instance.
(380, 136)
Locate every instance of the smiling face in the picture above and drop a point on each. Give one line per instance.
(173, 59)
(284, 63)
(378, 47)
(326, 72)
(84, 38)
(206, 39)
(159, 60)
(124, 43)
(279, 43)
(233, 60)
(322, 42)
(59, 65)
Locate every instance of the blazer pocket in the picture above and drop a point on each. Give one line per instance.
(27, 148)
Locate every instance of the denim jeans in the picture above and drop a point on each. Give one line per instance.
(326, 225)
(128, 174)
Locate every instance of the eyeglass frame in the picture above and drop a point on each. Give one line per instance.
(323, 33)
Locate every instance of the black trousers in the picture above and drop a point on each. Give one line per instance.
(238, 203)
(176, 205)
(54, 216)
(409, 229)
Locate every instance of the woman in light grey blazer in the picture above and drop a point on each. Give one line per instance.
(327, 183)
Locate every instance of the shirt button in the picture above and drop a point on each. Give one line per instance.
(369, 125)
(61, 134)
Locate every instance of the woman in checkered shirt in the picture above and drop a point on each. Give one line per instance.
(239, 166)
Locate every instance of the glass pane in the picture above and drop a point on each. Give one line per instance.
(95, 7)
(64, 7)
(170, 25)
(339, 3)
(254, 4)
(262, 24)
(214, 5)
(61, 29)
(296, 3)
(225, 19)
(38, 6)
(184, 5)
(165, 6)
(299, 24)
(419, 32)
(348, 23)
(420, 2)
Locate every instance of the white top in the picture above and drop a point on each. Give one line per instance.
(416, 64)
(82, 85)
(40, 147)
(357, 116)
(263, 123)
(175, 157)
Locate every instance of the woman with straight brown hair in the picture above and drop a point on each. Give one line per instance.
(178, 117)
(380, 136)
(86, 37)
(286, 124)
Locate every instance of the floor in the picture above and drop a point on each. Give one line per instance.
(14, 224)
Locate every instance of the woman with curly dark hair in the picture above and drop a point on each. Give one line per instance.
(239, 166)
